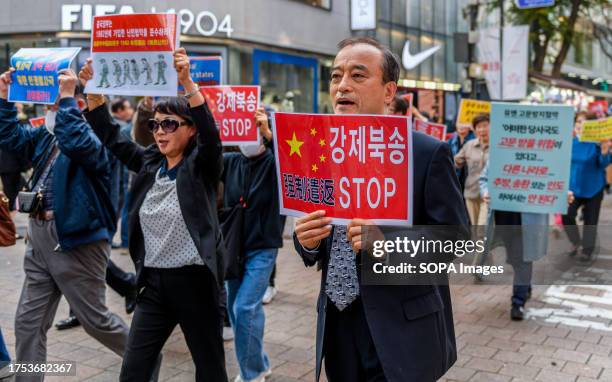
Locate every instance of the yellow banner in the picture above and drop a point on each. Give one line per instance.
(470, 108)
(596, 131)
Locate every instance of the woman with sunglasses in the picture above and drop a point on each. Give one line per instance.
(174, 234)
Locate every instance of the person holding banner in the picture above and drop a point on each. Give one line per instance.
(175, 240)
(474, 156)
(525, 237)
(587, 181)
(69, 230)
(249, 178)
(379, 332)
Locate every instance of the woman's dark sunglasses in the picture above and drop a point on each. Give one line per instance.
(167, 125)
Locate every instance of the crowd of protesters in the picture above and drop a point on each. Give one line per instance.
(159, 172)
(529, 243)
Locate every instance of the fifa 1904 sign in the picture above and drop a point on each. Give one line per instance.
(205, 23)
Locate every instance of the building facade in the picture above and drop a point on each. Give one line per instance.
(285, 46)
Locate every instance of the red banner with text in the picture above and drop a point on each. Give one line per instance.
(351, 166)
(436, 130)
(234, 110)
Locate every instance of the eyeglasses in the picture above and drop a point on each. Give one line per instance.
(167, 125)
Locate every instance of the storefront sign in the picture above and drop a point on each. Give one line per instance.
(36, 73)
(529, 157)
(234, 110)
(596, 131)
(133, 55)
(411, 61)
(205, 71)
(205, 23)
(436, 130)
(351, 166)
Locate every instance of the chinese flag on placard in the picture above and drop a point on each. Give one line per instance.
(351, 166)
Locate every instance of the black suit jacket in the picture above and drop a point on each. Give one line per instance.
(196, 184)
(411, 325)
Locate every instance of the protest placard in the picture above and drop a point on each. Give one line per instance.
(529, 157)
(133, 54)
(469, 108)
(599, 107)
(596, 131)
(234, 110)
(351, 166)
(436, 130)
(205, 70)
(37, 122)
(35, 77)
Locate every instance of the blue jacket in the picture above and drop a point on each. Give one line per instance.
(81, 177)
(588, 171)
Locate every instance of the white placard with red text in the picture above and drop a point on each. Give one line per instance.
(134, 55)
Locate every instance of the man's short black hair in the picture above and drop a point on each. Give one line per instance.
(400, 104)
(390, 65)
(118, 104)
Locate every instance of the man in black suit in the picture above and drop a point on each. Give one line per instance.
(375, 332)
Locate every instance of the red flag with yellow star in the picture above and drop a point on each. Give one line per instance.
(351, 166)
(234, 110)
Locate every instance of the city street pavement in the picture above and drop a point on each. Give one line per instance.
(567, 336)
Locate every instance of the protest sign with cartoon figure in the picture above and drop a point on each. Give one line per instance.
(133, 54)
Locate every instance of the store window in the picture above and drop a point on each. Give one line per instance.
(325, 4)
(398, 13)
(413, 13)
(325, 101)
(240, 66)
(288, 83)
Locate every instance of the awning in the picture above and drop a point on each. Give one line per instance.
(558, 82)
(599, 93)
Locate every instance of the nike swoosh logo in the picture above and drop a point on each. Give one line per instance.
(412, 61)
